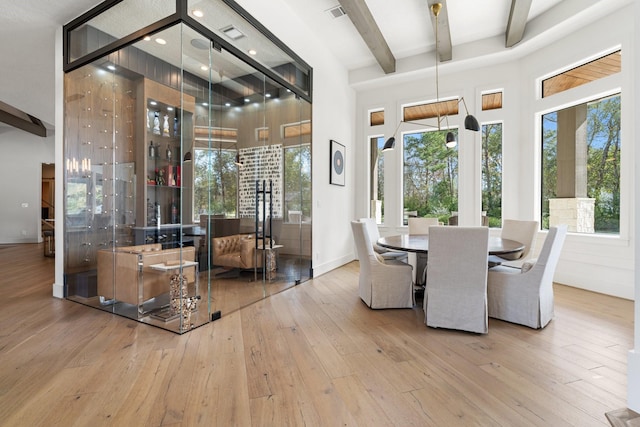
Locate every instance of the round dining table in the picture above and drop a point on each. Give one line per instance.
(419, 243)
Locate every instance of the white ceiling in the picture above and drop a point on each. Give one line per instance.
(405, 25)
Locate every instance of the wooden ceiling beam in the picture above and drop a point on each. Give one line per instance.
(517, 21)
(362, 19)
(21, 120)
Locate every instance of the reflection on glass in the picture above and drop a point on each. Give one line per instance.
(166, 146)
(115, 23)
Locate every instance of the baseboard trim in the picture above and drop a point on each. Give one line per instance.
(58, 290)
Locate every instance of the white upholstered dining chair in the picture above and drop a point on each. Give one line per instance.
(419, 260)
(374, 235)
(382, 284)
(520, 231)
(525, 296)
(456, 293)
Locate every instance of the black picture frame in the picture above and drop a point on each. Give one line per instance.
(336, 163)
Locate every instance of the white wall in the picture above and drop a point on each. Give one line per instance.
(333, 117)
(633, 361)
(599, 263)
(21, 177)
(27, 86)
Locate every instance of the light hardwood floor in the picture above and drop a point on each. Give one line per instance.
(313, 355)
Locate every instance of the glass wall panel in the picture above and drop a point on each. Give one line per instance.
(115, 23)
(188, 179)
(232, 28)
(127, 248)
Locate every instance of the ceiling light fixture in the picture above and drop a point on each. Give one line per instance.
(470, 122)
(161, 41)
(197, 13)
(253, 52)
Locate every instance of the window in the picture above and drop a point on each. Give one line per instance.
(583, 74)
(491, 101)
(297, 179)
(430, 175)
(376, 118)
(431, 110)
(215, 183)
(376, 178)
(492, 173)
(581, 167)
(296, 130)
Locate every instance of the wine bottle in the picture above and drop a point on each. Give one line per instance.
(152, 150)
(174, 213)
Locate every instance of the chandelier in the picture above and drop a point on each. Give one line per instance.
(470, 122)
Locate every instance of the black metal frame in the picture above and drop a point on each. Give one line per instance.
(182, 16)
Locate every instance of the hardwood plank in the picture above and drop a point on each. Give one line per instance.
(310, 355)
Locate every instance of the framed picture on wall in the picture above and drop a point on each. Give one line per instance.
(336, 174)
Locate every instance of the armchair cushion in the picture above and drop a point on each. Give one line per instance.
(236, 251)
(119, 271)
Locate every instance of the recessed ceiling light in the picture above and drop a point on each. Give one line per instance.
(252, 52)
(197, 13)
(169, 108)
(111, 67)
(268, 95)
(204, 68)
(228, 104)
(146, 38)
(232, 32)
(161, 41)
(204, 104)
(247, 100)
(153, 103)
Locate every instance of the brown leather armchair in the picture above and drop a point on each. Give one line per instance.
(124, 273)
(236, 251)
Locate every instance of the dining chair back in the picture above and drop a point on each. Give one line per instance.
(421, 225)
(374, 235)
(456, 292)
(419, 260)
(521, 231)
(381, 284)
(525, 296)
